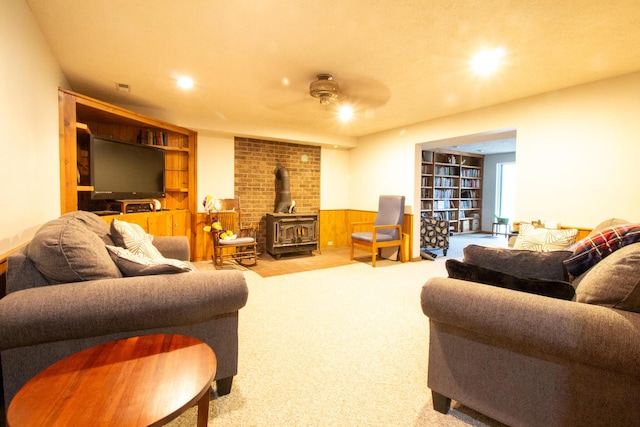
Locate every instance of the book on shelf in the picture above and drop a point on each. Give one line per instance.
(153, 137)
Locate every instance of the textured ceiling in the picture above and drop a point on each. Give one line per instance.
(398, 62)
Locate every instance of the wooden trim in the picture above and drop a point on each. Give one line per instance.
(124, 113)
(193, 190)
(68, 152)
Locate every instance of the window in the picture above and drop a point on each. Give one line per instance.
(506, 190)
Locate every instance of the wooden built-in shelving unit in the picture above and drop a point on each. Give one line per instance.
(81, 116)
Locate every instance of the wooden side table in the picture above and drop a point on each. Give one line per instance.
(140, 381)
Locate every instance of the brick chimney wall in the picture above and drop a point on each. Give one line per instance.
(255, 182)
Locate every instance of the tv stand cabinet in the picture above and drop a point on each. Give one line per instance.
(81, 116)
(159, 223)
(122, 205)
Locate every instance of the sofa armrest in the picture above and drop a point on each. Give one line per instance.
(175, 247)
(534, 324)
(100, 307)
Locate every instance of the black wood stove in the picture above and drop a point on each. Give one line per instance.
(291, 233)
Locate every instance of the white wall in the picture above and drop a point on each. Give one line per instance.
(577, 152)
(29, 78)
(382, 164)
(215, 167)
(334, 179)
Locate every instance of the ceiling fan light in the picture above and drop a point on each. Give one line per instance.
(325, 88)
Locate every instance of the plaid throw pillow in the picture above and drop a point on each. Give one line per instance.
(593, 249)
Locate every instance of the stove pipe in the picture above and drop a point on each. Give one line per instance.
(283, 189)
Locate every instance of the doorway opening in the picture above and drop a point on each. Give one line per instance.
(495, 147)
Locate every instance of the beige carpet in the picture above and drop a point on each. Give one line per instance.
(268, 266)
(342, 346)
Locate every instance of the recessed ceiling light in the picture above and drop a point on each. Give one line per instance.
(185, 82)
(345, 113)
(487, 61)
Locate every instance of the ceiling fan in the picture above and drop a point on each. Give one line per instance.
(297, 95)
(325, 88)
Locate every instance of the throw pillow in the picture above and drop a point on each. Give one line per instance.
(65, 250)
(131, 264)
(93, 222)
(611, 222)
(474, 273)
(614, 281)
(599, 245)
(133, 237)
(523, 263)
(542, 239)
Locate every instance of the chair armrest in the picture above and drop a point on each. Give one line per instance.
(534, 324)
(175, 247)
(378, 227)
(101, 307)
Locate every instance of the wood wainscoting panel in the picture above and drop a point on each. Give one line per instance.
(334, 226)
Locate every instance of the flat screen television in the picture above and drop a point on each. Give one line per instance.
(120, 170)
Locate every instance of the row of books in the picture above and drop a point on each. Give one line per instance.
(449, 193)
(425, 193)
(153, 137)
(444, 204)
(448, 215)
(448, 204)
(445, 182)
(468, 204)
(447, 170)
(470, 182)
(471, 173)
(470, 194)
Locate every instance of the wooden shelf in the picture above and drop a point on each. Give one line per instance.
(84, 127)
(168, 148)
(81, 116)
(451, 188)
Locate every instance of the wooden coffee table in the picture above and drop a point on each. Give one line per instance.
(140, 381)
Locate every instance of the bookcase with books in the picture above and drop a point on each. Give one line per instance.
(451, 188)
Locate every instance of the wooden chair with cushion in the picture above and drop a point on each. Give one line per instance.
(385, 231)
(243, 248)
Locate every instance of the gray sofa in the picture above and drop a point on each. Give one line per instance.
(526, 359)
(44, 319)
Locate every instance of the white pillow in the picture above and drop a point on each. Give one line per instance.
(542, 239)
(131, 264)
(133, 237)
